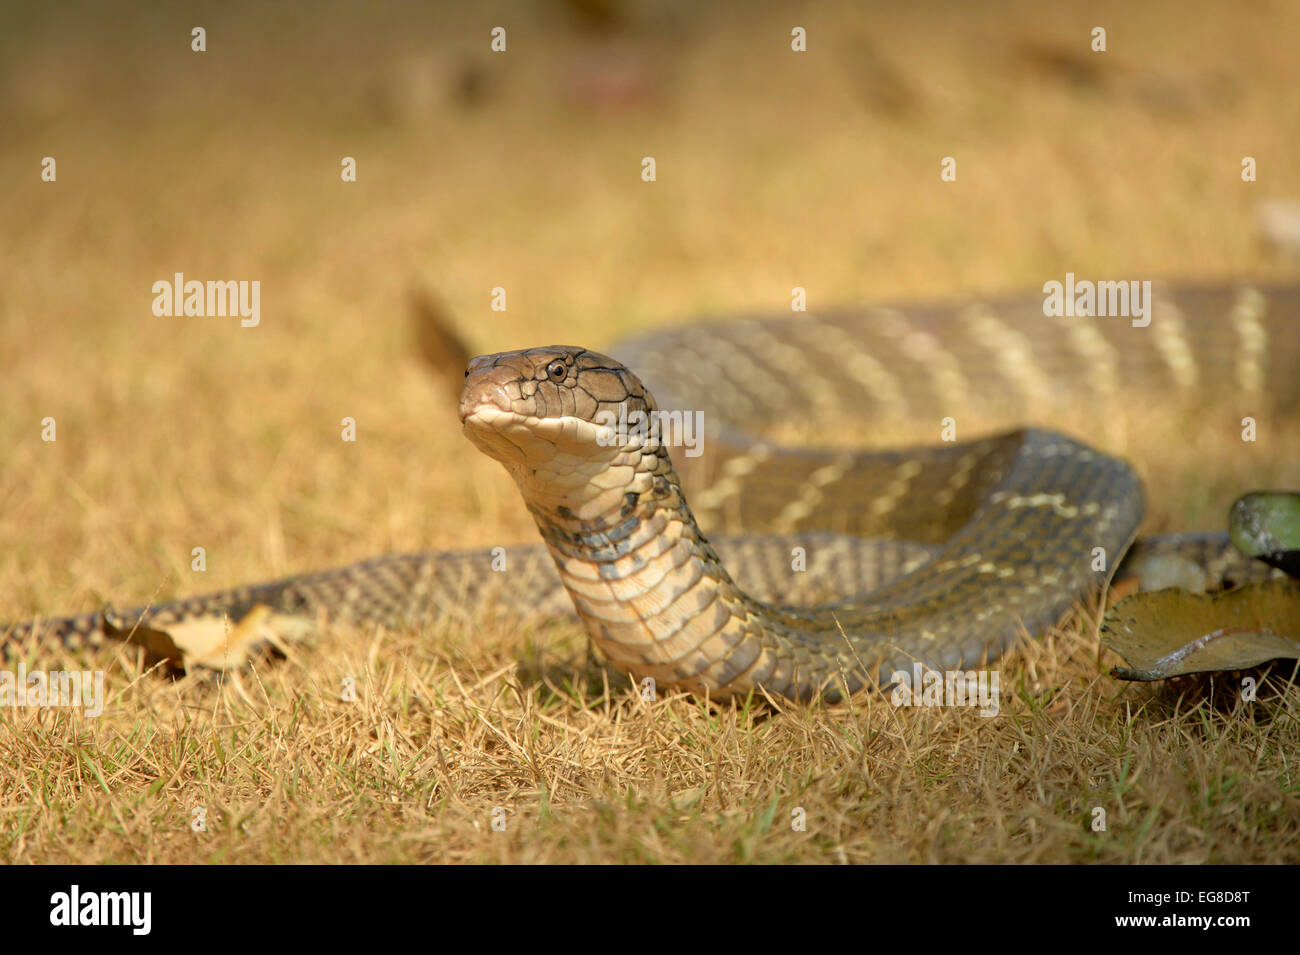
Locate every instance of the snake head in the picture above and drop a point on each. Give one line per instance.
(550, 415)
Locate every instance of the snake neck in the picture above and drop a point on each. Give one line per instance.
(647, 584)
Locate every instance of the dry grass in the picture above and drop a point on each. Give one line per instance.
(774, 171)
(448, 730)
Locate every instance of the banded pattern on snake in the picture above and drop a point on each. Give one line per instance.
(944, 555)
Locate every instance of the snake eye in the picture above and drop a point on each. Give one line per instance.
(557, 370)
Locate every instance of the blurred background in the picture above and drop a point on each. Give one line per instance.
(522, 170)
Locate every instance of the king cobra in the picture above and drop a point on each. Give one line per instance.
(942, 556)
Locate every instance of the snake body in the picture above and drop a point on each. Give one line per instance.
(941, 555)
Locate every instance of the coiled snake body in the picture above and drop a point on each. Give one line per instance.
(941, 555)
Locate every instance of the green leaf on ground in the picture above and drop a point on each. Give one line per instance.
(1266, 524)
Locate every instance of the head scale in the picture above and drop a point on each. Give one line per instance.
(546, 414)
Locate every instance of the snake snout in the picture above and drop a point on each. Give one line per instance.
(485, 387)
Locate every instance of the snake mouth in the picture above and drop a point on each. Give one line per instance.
(523, 439)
